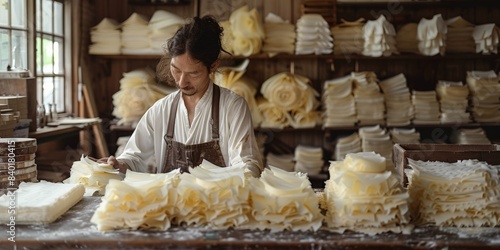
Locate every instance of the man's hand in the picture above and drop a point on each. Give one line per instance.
(111, 160)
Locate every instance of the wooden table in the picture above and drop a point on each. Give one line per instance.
(74, 230)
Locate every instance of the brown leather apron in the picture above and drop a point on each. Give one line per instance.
(184, 156)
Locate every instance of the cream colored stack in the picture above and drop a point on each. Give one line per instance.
(379, 36)
(283, 200)
(459, 37)
(399, 109)
(308, 159)
(485, 92)
(407, 38)
(289, 100)
(313, 35)
(347, 144)
(362, 195)
(280, 35)
(105, 38)
(163, 25)
(432, 36)
(453, 102)
(487, 38)
(378, 140)
(94, 176)
(12, 110)
(426, 107)
(370, 107)
(470, 136)
(137, 93)
(135, 31)
(17, 161)
(465, 193)
(338, 103)
(404, 136)
(348, 37)
(233, 78)
(285, 162)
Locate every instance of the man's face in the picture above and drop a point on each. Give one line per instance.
(190, 75)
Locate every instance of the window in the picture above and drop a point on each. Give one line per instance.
(46, 54)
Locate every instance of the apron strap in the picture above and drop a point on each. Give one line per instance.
(171, 119)
(215, 112)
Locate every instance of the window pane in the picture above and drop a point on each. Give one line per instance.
(58, 18)
(58, 56)
(18, 13)
(4, 49)
(48, 91)
(47, 16)
(59, 93)
(4, 12)
(38, 20)
(47, 55)
(38, 56)
(19, 49)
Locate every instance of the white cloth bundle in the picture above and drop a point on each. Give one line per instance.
(398, 106)
(104, 37)
(280, 35)
(432, 35)
(379, 36)
(137, 93)
(284, 200)
(247, 31)
(487, 38)
(485, 90)
(313, 35)
(363, 196)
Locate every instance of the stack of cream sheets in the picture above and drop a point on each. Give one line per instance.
(289, 100)
(432, 35)
(379, 38)
(470, 136)
(487, 38)
(246, 32)
(348, 37)
(462, 194)
(141, 200)
(283, 200)
(407, 38)
(233, 78)
(485, 90)
(399, 109)
(378, 140)
(453, 102)
(370, 106)
(163, 25)
(363, 196)
(280, 35)
(105, 38)
(459, 37)
(308, 159)
(285, 162)
(94, 176)
(346, 145)
(135, 34)
(426, 107)
(404, 136)
(313, 35)
(338, 102)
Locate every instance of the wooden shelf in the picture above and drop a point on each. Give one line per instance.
(417, 3)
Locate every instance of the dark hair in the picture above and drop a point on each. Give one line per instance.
(201, 38)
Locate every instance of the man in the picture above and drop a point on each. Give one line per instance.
(199, 121)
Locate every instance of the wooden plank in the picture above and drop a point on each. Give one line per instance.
(101, 146)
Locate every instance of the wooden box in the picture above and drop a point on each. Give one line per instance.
(22, 87)
(489, 153)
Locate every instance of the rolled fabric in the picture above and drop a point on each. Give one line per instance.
(273, 116)
(246, 23)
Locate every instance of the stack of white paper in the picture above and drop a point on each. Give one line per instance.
(370, 107)
(405, 136)
(453, 102)
(379, 36)
(280, 35)
(470, 136)
(432, 36)
(163, 25)
(313, 35)
(308, 159)
(485, 90)
(426, 107)
(135, 33)
(348, 37)
(399, 109)
(285, 162)
(376, 139)
(459, 37)
(105, 38)
(338, 103)
(346, 145)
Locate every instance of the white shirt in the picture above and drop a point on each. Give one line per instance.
(237, 138)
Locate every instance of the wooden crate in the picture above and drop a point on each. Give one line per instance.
(489, 153)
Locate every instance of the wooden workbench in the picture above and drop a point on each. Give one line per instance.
(74, 230)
